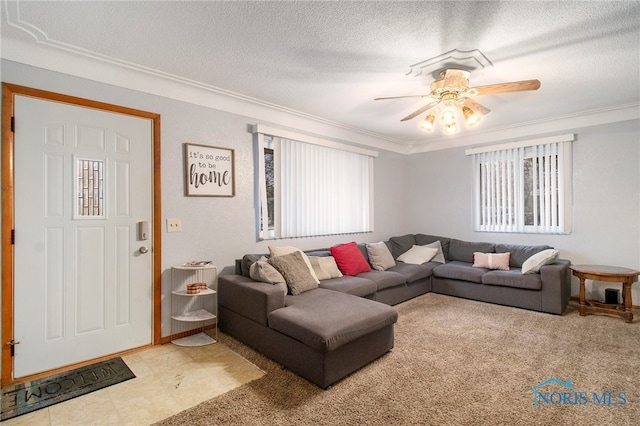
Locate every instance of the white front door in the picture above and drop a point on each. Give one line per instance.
(82, 283)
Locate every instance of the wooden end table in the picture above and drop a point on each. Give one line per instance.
(608, 274)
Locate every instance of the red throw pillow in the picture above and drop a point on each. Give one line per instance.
(350, 259)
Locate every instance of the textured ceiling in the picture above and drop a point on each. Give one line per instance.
(331, 59)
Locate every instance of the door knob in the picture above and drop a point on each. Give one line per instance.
(143, 249)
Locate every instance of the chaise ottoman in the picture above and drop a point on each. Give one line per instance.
(332, 334)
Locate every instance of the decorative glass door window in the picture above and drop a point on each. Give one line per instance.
(90, 189)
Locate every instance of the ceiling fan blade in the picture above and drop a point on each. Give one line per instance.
(476, 107)
(400, 97)
(514, 86)
(420, 111)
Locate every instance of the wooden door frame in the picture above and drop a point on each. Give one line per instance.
(9, 91)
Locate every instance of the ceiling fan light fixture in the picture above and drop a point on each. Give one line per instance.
(452, 92)
(471, 118)
(428, 122)
(448, 116)
(450, 129)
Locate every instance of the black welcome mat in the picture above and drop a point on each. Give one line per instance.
(34, 395)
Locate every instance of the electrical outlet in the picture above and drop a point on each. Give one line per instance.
(174, 225)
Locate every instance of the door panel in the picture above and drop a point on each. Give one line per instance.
(83, 180)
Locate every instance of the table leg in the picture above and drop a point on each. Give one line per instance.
(626, 300)
(582, 297)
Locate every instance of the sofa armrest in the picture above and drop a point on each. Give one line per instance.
(249, 298)
(556, 286)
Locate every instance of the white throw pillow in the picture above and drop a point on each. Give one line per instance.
(417, 255)
(533, 264)
(282, 250)
(380, 257)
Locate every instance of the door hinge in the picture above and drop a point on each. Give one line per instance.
(13, 237)
(13, 344)
(13, 124)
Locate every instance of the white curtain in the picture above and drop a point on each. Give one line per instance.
(522, 189)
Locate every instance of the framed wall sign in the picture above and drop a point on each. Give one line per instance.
(209, 171)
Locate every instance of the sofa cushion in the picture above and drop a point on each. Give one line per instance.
(463, 250)
(380, 256)
(429, 240)
(248, 298)
(325, 267)
(513, 278)
(491, 260)
(401, 244)
(384, 279)
(295, 272)
(519, 253)
(325, 320)
(282, 250)
(318, 253)
(460, 271)
(538, 260)
(350, 259)
(413, 273)
(263, 271)
(351, 285)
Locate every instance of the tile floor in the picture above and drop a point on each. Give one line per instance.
(169, 379)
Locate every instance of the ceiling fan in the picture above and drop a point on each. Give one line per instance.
(451, 94)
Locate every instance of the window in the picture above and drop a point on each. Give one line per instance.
(524, 186)
(310, 187)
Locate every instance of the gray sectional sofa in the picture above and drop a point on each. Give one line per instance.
(325, 333)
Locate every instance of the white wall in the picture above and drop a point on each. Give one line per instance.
(429, 192)
(606, 200)
(220, 229)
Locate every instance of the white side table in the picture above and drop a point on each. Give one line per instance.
(199, 309)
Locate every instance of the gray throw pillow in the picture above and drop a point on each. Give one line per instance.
(263, 271)
(295, 271)
(325, 267)
(439, 257)
(380, 256)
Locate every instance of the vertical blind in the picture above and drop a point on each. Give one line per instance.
(322, 190)
(318, 190)
(496, 195)
(523, 188)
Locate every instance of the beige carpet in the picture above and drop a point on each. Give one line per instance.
(456, 362)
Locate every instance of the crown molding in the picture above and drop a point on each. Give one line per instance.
(64, 59)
